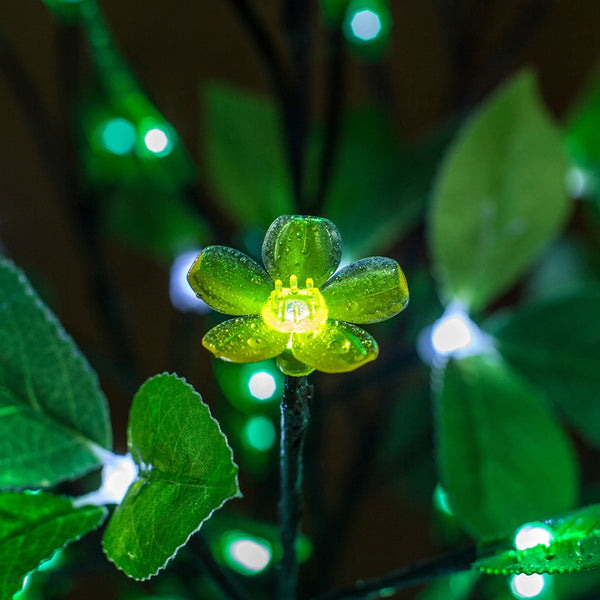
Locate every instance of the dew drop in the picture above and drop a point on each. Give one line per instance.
(254, 342)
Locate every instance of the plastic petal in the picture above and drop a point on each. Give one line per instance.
(367, 291)
(290, 366)
(302, 246)
(335, 348)
(229, 281)
(245, 339)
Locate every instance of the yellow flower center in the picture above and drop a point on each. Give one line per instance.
(293, 309)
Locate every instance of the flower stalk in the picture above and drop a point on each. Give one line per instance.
(295, 416)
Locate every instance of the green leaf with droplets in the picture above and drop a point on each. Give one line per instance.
(500, 195)
(575, 547)
(245, 155)
(186, 471)
(52, 410)
(32, 528)
(504, 459)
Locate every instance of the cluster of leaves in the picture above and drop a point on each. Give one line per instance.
(55, 427)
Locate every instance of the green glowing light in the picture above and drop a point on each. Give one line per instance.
(244, 553)
(259, 433)
(441, 501)
(118, 136)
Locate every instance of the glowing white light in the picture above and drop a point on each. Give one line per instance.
(365, 25)
(451, 334)
(156, 140)
(262, 385)
(527, 586)
(181, 294)
(251, 555)
(532, 535)
(117, 477)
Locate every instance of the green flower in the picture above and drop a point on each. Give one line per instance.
(295, 310)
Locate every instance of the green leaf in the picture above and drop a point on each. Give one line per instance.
(156, 221)
(186, 472)
(378, 188)
(555, 344)
(575, 547)
(245, 155)
(52, 411)
(32, 528)
(503, 458)
(500, 196)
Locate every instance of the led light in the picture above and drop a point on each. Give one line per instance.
(181, 294)
(440, 499)
(157, 141)
(246, 554)
(451, 334)
(262, 385)
(117, 477)
(365, 25)
(532, 535)
(118, 136)
(527, 586)
(259, 433)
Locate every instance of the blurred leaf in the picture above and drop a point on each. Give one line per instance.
(500, 195)
(52, 408)
(503, 458)
(556, 345)
(575, 547)
(186, 472)
(32, 528)
(157, 222)
(378, 188)
(245, 155)
(582, 131)
(454, 587)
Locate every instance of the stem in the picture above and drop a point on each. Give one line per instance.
(421, 572)
(333, 117)
(295, 415)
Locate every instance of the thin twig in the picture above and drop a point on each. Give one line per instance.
(421, 572)
(264, 43)
(295, 415)
(333, 118)
(296, 103)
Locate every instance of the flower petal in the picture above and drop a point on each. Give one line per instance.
(302, 246)
(335, 348)
(229, 281)
(245, 339)
(290, 366)
(367, 291)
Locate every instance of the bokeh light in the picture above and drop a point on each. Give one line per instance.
(532, 535)
(246, 554)
(158, 141)
(365, 25)
(117, 476)
(259, 433)
(118, 136)
(182, 296)
(262, 385)
(527, 586)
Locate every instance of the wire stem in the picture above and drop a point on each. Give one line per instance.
(421, 572)
(295, 416)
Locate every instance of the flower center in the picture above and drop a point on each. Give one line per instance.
(293, 309)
